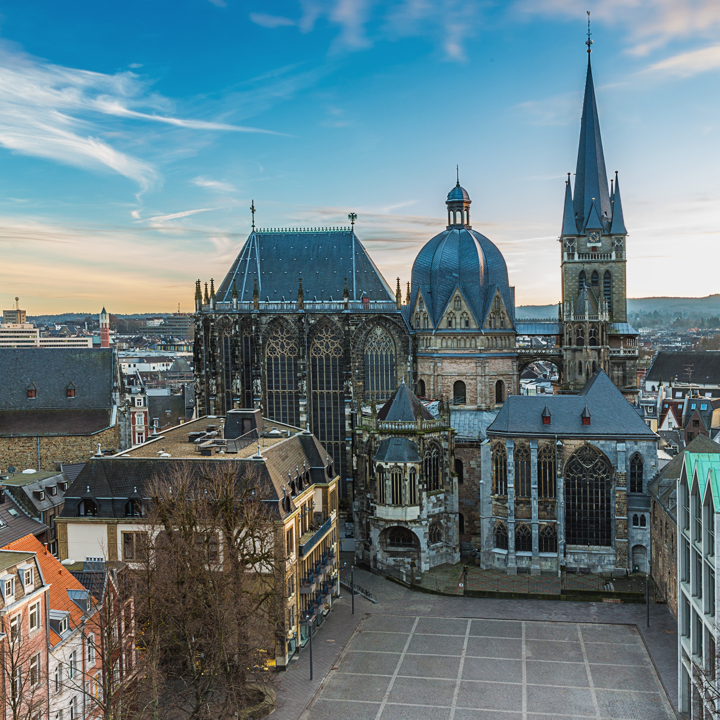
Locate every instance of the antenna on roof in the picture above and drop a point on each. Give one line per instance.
(589, 42)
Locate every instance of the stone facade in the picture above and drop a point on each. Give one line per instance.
(664, 556)
(47, 451)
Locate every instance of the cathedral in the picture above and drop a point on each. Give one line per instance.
(305, 328)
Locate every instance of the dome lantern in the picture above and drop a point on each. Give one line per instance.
(458, 205)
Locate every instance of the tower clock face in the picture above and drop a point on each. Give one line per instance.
(594, 237)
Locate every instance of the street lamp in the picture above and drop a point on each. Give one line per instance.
(352, 585)
(308, 622)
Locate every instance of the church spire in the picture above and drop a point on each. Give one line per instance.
(590, 176)
(569, 226)
(618, 221)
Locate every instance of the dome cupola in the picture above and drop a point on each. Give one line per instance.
(458, 206)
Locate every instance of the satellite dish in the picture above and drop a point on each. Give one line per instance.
(11, 469)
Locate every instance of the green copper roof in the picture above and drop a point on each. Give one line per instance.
(707, 467)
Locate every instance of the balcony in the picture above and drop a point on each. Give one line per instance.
(311, 538)
(308, 584)
(623, 352)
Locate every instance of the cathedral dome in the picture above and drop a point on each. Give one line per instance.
(463, 259)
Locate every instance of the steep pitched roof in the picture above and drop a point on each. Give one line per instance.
(618, 220)
(397, 449)
(58, 577)
(569, 225)
(15, 522)
(91, 371)
(591, 180)
(323, 259)
(686, 367)
(403, 406)
(611, 414)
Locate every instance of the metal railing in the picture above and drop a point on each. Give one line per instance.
(383, 306)
(311, 542)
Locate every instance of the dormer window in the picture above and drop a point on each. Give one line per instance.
(546, 417)
(53, 490)
(28, 577)
(70, 391)
(31, 391)
(8, 588)
(585, 416)
(133, 508)
(87, 508)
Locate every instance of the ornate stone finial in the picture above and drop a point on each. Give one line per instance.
(407, 295)
(589, 42)
(256, 295)
(352, 217)
(398, 295)
(212, 288)
(198, 291)
(207, 297)
(301, 295)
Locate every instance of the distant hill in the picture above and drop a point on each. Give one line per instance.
(668, 307)
(70, 317)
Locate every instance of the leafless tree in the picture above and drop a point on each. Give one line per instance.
(212, 588)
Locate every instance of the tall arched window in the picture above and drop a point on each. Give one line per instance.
(636, 474)
(523, 538)
(594, 279)
(569, 336)
(588, 501)
(461, 523)
(548, 539)
(521, 456)
(582, 280)
(457, 303)
(607, 290)
(396, 479)
(579, 367)
(465, 320)
(421, 388)
(459, 471)
(499, 467)
(580, 336)
(434, 534)
(412, 487)
(459, 393)
(228, 366)
(327, 397)
(379, 364)
(546, 471)
(593, 336)
(281, 359)
(245, 367)
(499, 392)
(501, 535)
(451, 320)
(432, 469)
(380, 475)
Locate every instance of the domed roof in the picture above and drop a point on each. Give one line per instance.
(458, 194)
(464, 259)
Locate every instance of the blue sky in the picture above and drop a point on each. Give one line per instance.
(133, 136)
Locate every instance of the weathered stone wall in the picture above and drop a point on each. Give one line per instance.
(24, 452)
(664, 556)
(469, 493)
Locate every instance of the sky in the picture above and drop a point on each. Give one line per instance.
(134, 136)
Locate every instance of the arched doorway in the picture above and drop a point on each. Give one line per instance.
(588, 498)
(639, 558)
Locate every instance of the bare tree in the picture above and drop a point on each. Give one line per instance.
(213, 590)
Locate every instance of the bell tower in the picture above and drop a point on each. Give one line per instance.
(593, 263)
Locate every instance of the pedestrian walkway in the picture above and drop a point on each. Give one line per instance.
(295, 690)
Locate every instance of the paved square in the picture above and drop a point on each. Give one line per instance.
(425, 668)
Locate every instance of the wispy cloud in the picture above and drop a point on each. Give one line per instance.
(158, 221)
(271, 21)
(218, 185)
(65, 115)
(689, 63)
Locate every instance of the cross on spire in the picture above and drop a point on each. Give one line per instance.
(252, 210)
(589, 42)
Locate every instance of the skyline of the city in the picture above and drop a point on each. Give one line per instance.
(131, 161)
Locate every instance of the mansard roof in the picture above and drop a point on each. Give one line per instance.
(323, 258)
(612, 415)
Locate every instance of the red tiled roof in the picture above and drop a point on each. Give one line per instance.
(58, 577)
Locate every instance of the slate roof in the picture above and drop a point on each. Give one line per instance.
(672, 365)
(610, 414)
(16, 523)
(72, 421)
(621, 329)
(112, 480)
(591, 182)
(536, 327)
(404, 406)
(399, 450)
(72, 470)
(461, 258)
(323, 259)
(51, 370)
(471, 425)
(25, 489)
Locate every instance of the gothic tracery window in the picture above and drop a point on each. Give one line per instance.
(380, 477)
(501, 535)
(281, 359)
(521, 456)
(499, 466)
(412, 487)
(523, 538)
(434, 534)
(328, 398)
(607, 290)
(379, 364)
(546, 471)
(432, 469)
(396, 482)
(400, 537)
(588, 490)
(548, 539)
